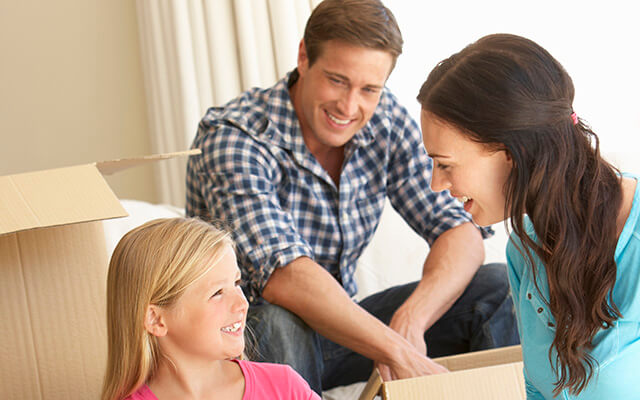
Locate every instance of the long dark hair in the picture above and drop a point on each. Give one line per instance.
(510, 94)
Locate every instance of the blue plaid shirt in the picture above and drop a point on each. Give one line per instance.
(256, 173)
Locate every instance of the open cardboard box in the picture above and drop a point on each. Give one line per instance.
(483, 375)
(53, 268)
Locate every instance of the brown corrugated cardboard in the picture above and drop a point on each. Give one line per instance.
(53, 267)
(55, 197)
(484, 375)
(113, 166)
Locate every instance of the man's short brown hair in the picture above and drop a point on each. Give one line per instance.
(366, 23)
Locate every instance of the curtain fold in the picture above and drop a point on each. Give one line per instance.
(202, 53)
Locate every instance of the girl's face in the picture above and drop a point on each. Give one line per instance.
(207, 321)
(469, 170)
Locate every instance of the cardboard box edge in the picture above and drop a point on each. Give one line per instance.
(103, 168)
(375, 385)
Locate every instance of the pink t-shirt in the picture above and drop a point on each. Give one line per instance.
(262, 381)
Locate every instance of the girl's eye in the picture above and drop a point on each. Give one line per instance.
(216, 294)
(239, 282)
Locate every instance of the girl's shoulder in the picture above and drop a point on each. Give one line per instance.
(264, 369)
(274, 381)
(143, 393)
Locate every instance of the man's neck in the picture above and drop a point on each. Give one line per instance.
(332, 161)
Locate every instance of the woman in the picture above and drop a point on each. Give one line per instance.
(176, 318)
(498, 121)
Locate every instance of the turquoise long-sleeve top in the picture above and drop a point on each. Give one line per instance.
(616, 349)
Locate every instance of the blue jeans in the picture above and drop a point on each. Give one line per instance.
(482, 318)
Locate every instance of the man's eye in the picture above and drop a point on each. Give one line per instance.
(336, 81)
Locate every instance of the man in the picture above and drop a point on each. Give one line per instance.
(302, 170)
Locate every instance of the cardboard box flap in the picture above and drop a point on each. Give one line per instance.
(65, 195)
(113, 166)
(373, 386)
(486, 358)
(56, 197)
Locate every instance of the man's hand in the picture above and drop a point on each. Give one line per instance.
(308, 290)
(450, 265)
(409, 363)
(408, 326)
(414, 361)
(452, 261)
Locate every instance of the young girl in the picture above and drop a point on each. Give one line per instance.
(176, 318)
(498, 121)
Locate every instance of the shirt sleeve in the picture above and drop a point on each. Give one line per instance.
(236, 176)
(275, 381)
(532, 392)
(514, 271)
(515, 264)
(428, 213)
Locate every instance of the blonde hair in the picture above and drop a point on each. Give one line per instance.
(152, 264)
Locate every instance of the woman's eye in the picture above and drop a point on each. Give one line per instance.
(239, 282)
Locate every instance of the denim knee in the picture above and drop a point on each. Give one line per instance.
(494, 281)
(279, 336)
(500, 329)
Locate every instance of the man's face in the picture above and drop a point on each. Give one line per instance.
(336, 96)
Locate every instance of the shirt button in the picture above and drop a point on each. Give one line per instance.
(529, 296)
(540, 310)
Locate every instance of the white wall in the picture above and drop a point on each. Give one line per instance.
(597, 42)
(71, 89)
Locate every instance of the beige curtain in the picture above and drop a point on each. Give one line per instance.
(201, 53)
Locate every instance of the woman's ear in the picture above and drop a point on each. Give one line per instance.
(508, 156)
(154, 322)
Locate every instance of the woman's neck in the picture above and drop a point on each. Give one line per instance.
(175, 379)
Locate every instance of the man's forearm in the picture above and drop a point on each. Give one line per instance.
(309, 291)
(451, 263)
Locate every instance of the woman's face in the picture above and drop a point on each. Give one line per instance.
(469, 170)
